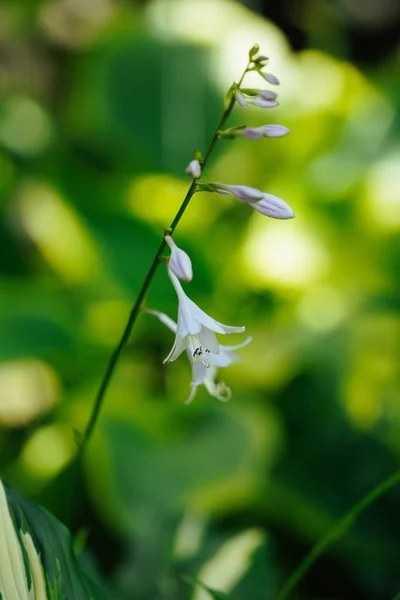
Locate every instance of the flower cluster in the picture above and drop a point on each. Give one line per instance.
(195, 331)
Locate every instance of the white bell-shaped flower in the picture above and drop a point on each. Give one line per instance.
(195, 329)
(203, 375)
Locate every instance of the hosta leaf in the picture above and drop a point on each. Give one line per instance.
(37, 561)
(215, 594)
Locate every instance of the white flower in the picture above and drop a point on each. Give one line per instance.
(179, 262)
(195, 329)
(266, 204)
(194, 168)
(202, 375)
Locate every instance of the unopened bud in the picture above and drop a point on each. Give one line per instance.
(241, 192)
(270, 131)
(179, 263)
(253, 51)
(274, 207)
(240, 99)
(272, 79)
(194, 168)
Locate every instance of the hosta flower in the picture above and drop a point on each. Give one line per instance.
(194, 168)
(195, 329)
(202, 375)
(264, 203)
(179, 262)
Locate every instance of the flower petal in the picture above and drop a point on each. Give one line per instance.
(236, 346)
(192, 394)
(209, 340)
(180, 344)
(165, 319)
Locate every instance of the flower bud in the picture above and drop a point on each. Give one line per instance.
(272, 79)
(270, 131)
(268, 95)
(265, 94)
(242, 192)
(253, 51)
(194, 168)
(179, 263)
(274, 207)
(261, 60)
(240, 99)
(261, 103)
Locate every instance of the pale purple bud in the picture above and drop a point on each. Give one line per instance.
(194, 168)
(271, 131)
(274, 207)
(241, 192)
(272, 79)
(240, 99)
(179, 263)
(261, 102)
(268, 94)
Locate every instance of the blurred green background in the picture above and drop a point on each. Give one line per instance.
(102, 104)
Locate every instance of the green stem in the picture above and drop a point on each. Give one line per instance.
(335, 533)
(146, 284)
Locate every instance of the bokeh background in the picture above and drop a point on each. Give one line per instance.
(102, 104)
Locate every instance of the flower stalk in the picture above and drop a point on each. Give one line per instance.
(109, 372)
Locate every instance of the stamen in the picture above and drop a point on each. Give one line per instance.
(206, 358)
(201, 354)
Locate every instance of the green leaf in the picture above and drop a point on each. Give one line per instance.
(216, 594)
(36, 553)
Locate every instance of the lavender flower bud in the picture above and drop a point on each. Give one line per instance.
(179, 263)
(261, 102)
(268, 95)
(242, 192)
(270, 131)
(272, 79)
(240, 99)
(272, 206)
